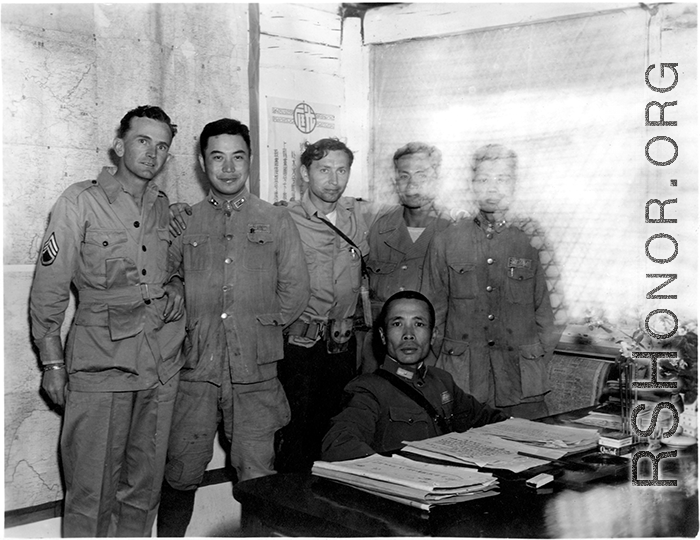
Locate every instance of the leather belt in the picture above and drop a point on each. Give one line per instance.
(309, 330)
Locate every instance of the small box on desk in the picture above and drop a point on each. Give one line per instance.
(616, 451)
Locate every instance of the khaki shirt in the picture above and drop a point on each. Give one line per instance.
(245, 280)
(116, 256)
(335, 267)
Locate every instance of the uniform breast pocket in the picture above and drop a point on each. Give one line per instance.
(462, 280)
(260, 248)
(196, 252)
(520, 285)
(380, 276)
(406, 424)
(101, 245)
(381, 268)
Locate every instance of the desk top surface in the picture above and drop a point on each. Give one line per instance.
(599, 502)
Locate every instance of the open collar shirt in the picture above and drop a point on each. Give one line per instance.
(116, 256)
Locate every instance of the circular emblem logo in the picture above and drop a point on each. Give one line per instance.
(304, 118)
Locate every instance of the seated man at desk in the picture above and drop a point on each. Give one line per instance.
(405, 399)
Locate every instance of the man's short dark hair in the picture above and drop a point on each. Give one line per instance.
(224, 126)
(321, 148)
(378, 348)
(145, 111)
(433, 153)
(495, 152)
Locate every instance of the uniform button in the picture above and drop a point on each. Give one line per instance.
(404, 267)
(225, 287)
(194, 243)
(489, 236)
(147, 302)
(137, 224)
(489, 261)
(227, 260)
(489, 288)
(410, 420)
(105, 243)
(491, 317)
(143, 272)
(491, 342)
(229, 237)
(451, 351)
(401, 288)
(224, 315)
(143, 248)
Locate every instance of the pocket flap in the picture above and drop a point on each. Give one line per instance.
(195, 240)
(532, 351)
(259, 233)
(454, 348)
(381, 267)
(105, 237)
(270, 319)
(462, 268)
(402, 414)
(521, 274)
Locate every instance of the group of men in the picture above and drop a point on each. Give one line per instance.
(249, 316)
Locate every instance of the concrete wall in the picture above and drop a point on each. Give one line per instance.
(70, 72)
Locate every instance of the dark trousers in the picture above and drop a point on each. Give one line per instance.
(313, 380)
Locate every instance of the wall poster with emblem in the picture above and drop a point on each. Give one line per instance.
(291, 123)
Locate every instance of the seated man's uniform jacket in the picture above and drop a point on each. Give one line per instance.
(378, 416)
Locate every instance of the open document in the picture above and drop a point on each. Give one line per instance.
(414, 483)
(501, 445)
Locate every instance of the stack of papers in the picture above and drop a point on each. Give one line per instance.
(422, 485)
(501, 445)
(601, 420)
(615, 439)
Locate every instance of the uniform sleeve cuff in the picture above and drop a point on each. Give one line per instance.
(50, 350)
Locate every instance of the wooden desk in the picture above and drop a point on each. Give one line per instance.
(304, 505)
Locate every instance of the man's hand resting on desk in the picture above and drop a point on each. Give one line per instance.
(178, 223)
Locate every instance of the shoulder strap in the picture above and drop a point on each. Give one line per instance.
(348, 240)
(416, 396)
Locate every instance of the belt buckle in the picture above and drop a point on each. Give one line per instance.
(318, 327)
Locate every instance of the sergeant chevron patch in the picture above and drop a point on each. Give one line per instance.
(49, 251)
